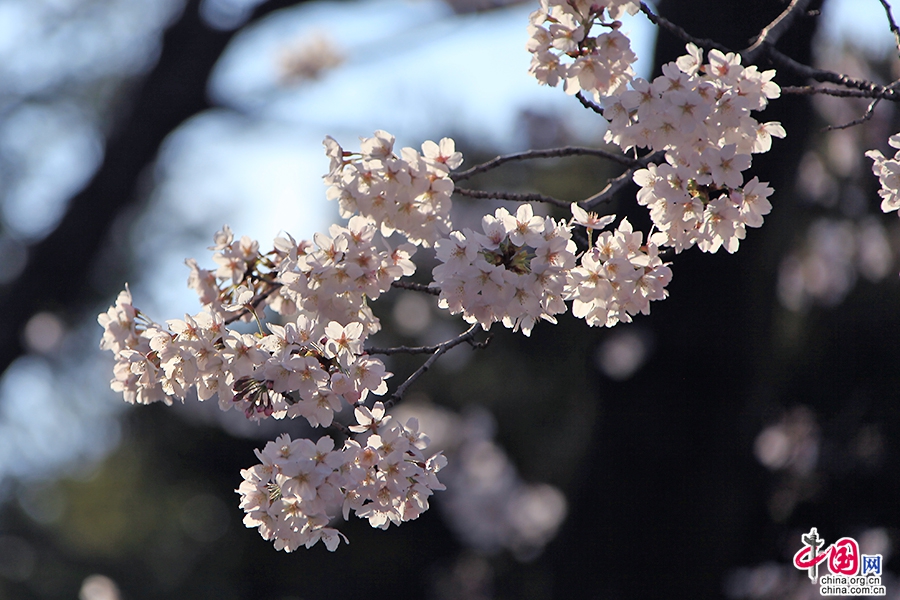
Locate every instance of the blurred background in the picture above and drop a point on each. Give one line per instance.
(679, 456)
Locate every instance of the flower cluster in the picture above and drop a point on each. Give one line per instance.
(330, 280)
(888, 172)
(304, 367)
(700, 116)
(309, 365)
(299, 487)
(311, 300)
(563, 48)
(523, 268)
(409, 193)
(349, 267)
(514, 272)
(618, 277)
(299, 369)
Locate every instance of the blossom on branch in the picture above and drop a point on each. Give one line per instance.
(618, 277)
(409, 193)
(310, 301)
(300, 487)
(563, 50)
(888, 172)
(309, 366)
(699, 115)
(514, 272)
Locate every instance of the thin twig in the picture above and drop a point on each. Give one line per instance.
(894, 30)
(617, 183)
(403, 350)
(550, 153)
(870, 110)
(511, 196)
(868, 115)
(774, 30)
(417, 287)
(440, 349)
(585, 102)
(680, 33)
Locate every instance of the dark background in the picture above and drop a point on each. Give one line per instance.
(667, 494)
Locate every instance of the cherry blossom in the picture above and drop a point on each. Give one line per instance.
(699, 115)
(300, 487)
(409, 193)
(888, 172)
(560, 32)
(309, 302)
(513, 272)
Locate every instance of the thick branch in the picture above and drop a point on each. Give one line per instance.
(511, 196)
(787, 63)
(551, 153)
(880, 93)
(438, 350)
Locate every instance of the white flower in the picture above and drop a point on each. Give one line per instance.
(409, 193)
(888, 172)
(514, 273)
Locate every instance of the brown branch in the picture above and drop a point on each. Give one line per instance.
(617, 183)
(880, 93)
(585, 102)
(551, 153)
(404, 350)
(868, 115)
(782, 61)
(437, 351)
(774, 30)
(417, 287)
(511, 196)
(680, 33)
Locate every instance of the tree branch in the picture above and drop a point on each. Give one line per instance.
(787, 63)
(404, 350)
(680, 33)
(254, 302)
(416, 287)
(551, 153)
(511, 196)
(881, 93)
(617, 183)
(774, 30)
(890, 17)
(868, 115)
(437, 351)
(587, 103)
